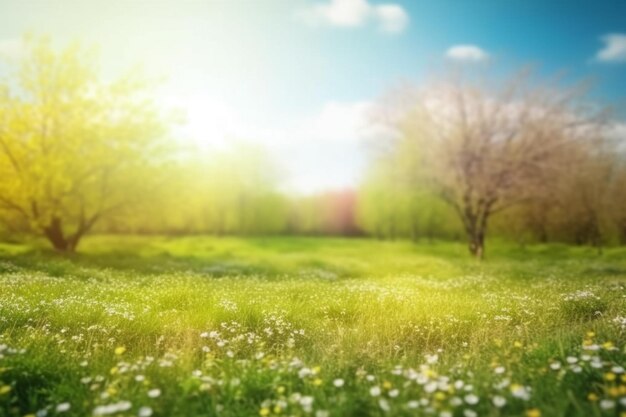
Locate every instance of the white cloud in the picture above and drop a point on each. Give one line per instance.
(11, 48)
(390, 18)
(467, 53)
(614, 48)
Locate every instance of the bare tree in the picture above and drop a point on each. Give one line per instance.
(484, 148)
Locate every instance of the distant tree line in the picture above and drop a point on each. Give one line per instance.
(520, 158)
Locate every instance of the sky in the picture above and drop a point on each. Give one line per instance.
(302, 77)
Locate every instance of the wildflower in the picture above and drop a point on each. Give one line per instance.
(470, 413)
(63, 407)
(499, 401)
(384, 405)
(430, 359)
(394, 393)
(592, 397)
(375, 391)
(607, 404)
(264, 412)
(338, 382)
(519, 391)
(5, 389)
(120, 350)
(471, 399)
(154, 393)
(533, 412)
(609, 376)
(322, 413)
(144, 412)
(413, 404)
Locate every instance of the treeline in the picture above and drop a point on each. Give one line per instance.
(520, 158)
(233, 191)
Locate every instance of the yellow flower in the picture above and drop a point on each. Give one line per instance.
(5, 389)
(609, 376)
(316, 370)
(614, 392)
(590, 334)
(114, 370)
(264, 412)
(120, 350)
(607, 345)
(387, 385)
(317, 382)
(517, 344)
(592, 397)
(440, 396)
(533, 412)
(280, 389)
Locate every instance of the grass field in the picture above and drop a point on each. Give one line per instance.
(311, 327)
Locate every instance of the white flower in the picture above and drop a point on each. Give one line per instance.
(521, 392)
(307, 400)
(144, 412)
(153, 393)
(384, 405)
(394, 393)
(607, 404)
(375, 391)
(572, 359)
(322, 413)
(338, 382)
(471, 399)
(430, 387)
(455, 401)
(413, 404)
(470, 413)
(555, 366)
(499, 401)
(430, 359)
(63, 407)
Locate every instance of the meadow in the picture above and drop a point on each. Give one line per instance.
(320, 327)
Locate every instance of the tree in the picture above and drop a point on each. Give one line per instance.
(73, 149)
(484, 148)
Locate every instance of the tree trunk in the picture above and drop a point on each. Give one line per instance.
(61, 243)
(477, 244)
(54, 234)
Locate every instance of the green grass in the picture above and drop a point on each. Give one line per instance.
(310, 327)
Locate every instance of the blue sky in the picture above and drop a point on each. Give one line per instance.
(300, 77)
